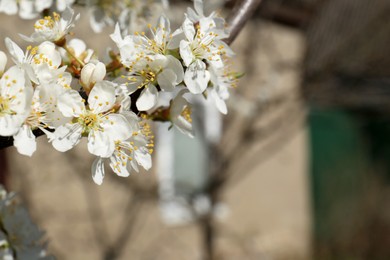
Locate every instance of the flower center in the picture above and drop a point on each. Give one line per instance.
(149, 76)
(34, 119)
(5, 107)
(46, 24)
(186, 114)
(89, 121)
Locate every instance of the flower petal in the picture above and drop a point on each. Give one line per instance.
(3, 62)
(102, 97)
(143, 158)
(70, 103)
(177, 37)
(15, 51)
(197, 77)
(100, 144)
(186, 53)
(166, 80)
(24, 141)
(119, 166)
(98, 171)
(66, 137)
(148, 98)
(9, 125)
(175, 65)
(188, 29)
(117, 127)
(219, 102)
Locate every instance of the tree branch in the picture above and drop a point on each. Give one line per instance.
(241, 13)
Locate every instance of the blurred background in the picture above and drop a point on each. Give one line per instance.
(298, 169)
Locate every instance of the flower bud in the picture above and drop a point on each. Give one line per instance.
(92, 73)
(3, 62)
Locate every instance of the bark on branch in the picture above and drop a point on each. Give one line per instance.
(240, 14)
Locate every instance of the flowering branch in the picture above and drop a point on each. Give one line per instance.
(61, 89)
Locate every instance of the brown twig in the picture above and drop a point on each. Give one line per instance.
(241, 13)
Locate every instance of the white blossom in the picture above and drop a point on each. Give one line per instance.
(128, 154)
(40, 63)
(22, 59)
(97, 121)
(15, 100)
(163, 71)
(213, 20)
(43, 115)
(54, 28)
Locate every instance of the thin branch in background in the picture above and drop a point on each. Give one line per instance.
(95, 214)
(280, 140)
(132, 212)
(3, 169)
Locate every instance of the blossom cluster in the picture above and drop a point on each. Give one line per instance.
(129, 14)
(60, 88)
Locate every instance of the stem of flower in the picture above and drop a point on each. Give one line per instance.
(66, 47)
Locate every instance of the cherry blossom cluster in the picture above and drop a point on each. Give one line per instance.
(60, 88)
(129, 14)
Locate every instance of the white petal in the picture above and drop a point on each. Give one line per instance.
(70, 103)
(100, 144)
(177, 37)
(163, 30)
(219, 102)
(117, 127)
(98, 171)
(198, 5)
(117, 36)
(9, 125)
(186, 53)
(143, 158)
(15, 51)
(102, 97)
(175, 65)
(197, 77)
(24, 141)
(3, 62)
(78, 46)
(66, 137)
(99, 73)
(188, 29)
(148, 98)
(184, 126)
(119, 166)
(167, 80)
